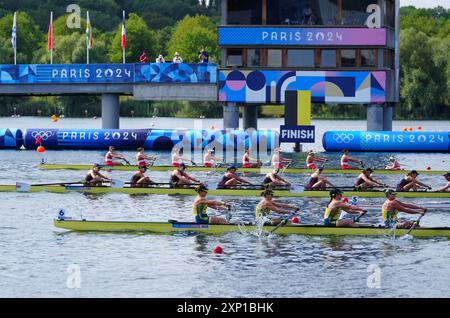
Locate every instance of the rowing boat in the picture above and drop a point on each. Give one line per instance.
(217, 192)
(261, 170)
(171, 227)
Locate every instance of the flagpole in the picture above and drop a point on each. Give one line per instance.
(88, 27)
(15, 38)
(123, 46)
(51, 39)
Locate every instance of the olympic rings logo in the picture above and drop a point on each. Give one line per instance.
(43, 134)
(343, 138)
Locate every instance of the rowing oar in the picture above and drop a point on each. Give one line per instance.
(415, 224)
(56, 183)
(359, 216)
(284, 221)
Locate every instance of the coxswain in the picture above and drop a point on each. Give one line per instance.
(409, 182)
(279, 162)
(139, 180)
(94, 177)
(201, 204)
(111, 155)
(366, 181)
(310, 158)
(334, 209)
(345, 159)
(141, 157)
(180, 178)
(230, 179)
(209, 160)
(274, 180)
(177, 160)
(317, 181)
(394, 164)
(446, 188)
(392, 206)
(266, 205)
(246, 160)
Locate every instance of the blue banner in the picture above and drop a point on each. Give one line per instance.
(82, 73)
(301, 134)
(386, 141)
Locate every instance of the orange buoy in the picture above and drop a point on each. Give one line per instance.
(345, 200)
(40, 149)
(419, 127)
(212, 127)
(410, 129)
(405, 129)
(295, 220)
(218, 250)
(54, 118)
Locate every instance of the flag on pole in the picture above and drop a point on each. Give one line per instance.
(50, 34)
(14, 32)
(124, 33)
(89, 36)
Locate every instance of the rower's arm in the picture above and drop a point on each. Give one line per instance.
(277, 208)
(191, 178)
(319, 159)
(423, 184)
(284, 180)
(354, 160)
(407, 205)
(103, 176)
(284, 205)
(242, 180)
(444, 188)
(352, 209)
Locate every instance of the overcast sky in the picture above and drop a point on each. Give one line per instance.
(426, 3)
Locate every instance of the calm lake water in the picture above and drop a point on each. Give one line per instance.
(39, 260)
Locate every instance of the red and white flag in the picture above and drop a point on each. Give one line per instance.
(50, 34)
(123, 41)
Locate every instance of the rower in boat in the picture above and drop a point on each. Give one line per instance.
(334, 208)
(345, 159)
(394, 164)
(392, 206)
(447, 187)
(267, 204)
(366, 181)
(180, 178)
(274, 180)
(139, 180)
(177, 160)
(230, 179)
(141, 157)
(209, 160)
(111, 155)
(201, 204)
(94, 177)
(246, 160)
(317, 181)
(279, 162)
(409, 182)
(310, 158)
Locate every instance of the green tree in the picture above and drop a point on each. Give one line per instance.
(193, 34)
(28, 37)
(139, 38)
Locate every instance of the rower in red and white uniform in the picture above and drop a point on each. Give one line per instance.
(246, 159)
(279, 162)
(345, 159)
(310, 158)
(394, 164)
(209, 160)
(177, 160)
(111, 155)
(142, 158)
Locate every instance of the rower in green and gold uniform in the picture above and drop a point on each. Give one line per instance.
(334, 209)
(201, 204)
(392, 206)
(267, 204)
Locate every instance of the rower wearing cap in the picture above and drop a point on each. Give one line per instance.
(209, 160)
(246, 159)
(334, 209)
(310, 158)
(230, 179)
(141, 157)
(111, 155)
(177, 160)
(409, 182)
(201, 204)
(392, 206)
(279, 162)
(94, 177)
(447, 187)
(266, 205)
(273, 179)
(179, 177)
(345, 159)
(317, 181)
(139, 180)
(394, 164)
(366, 181)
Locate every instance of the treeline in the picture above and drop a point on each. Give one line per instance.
(186, 26)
